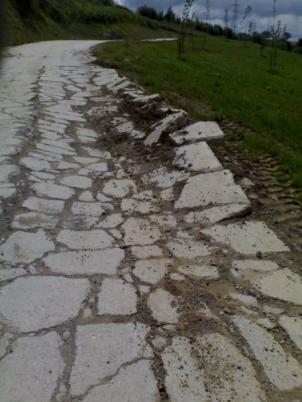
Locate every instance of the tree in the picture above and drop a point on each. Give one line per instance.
(147, 11)
(170, 15)
(235, 15)
(185, 19)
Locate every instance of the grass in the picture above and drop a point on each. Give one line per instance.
(232, 78)
(77, 19)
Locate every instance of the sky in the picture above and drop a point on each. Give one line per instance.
(288, 11)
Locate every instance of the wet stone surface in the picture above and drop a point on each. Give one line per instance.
(132, 264)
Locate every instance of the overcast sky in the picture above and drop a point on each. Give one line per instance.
(288, 11)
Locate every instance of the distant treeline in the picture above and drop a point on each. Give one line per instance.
(262, 38)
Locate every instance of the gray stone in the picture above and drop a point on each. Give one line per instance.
(112, 221)
(206, 272)
(31, 371)
(209, 189)
(143, 207)
(196, 158)
(51, 190)
(164, 178)
(140, 232)
(90, 208)
(119, 188)
(293, 326)
(35, 164)
(102, 349)
(23, 247)
(135, 383)
(163, 306)
(44, 206)
(282, 284)
(248, 301)
(185, 248)
(151, 271)
(33, 220)
(33, 303)
(248, 238)
(283, 371)
(249, 269)
(79, 240)
(86, 262)
(217, 214)
(116, 297)
(77, 181)
(200, 131)
(146, 251)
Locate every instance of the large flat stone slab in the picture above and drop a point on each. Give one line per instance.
(102, 349)
(32, 303)
(248, 238)
(85, 239)
(283, 285)
(31, 371)
(140, 232)
(196, 158)
(51, 190)
(119, 188)
(200, 131)
(85, 262)
(293, 326)
(116, 297)
(135, 383)
(23, 247)
(163, 306)
(44, 206)
(283, 370)
(213, 215)
(188, 249)
(249, 269)
(167, 124)
(164, 178)
(210, 189)
(151, 271)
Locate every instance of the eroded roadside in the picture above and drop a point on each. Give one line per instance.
(140, 273)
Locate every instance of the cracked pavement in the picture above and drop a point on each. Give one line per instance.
(131, 267)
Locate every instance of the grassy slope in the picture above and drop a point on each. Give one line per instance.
(79, 19)
(233, 79)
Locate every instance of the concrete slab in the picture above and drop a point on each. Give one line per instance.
(247, 238)
(140, 232)
(163, 306)
(213, 215)
(200, 131)
(151, 271)
(102, 349)
(86, 262)
(81, 240)
(196, 158)
(251, 269)
(283, 370)
(31, 371)
(22, 247)
(211, 189)
(77, 181)
(188, 249)
(116, 297)
(51, 190)
(33, 303)
(293, 326)
(164, 178)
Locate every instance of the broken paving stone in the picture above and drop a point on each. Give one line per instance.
(86, 262)
(168, 124)
(119, 188)
(44, 206)
(164, 220)
(143, 252)
(135, 383)
(91, 239)
(52, 190)
(116, 297)
(185, 248)
(77, 181)
(200, 131)
(102, 349)
(22, 247)
(85, 160)
(167, 195)
(33, 220)
(143, 207)
(23, 372)
(151, 271)
(112, 221)
(163, 306)
(164, 178)
(196, 158)
(140, 232)
(90, 208)
(67, 165)
(266, 323)
(86, 196)
(33, 303)
(293, 326)
(35, 164)
(249, 269)
(217, 214)
(206, 272)
(248, 301)
(283, 285)
(248, 238)
(209, 189)
(100, 167)
(281, 368)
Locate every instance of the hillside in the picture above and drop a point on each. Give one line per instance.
(35, 20)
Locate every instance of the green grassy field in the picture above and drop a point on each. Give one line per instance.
(233, 79)
(76, 19)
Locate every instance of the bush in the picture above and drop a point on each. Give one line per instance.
(148, 12)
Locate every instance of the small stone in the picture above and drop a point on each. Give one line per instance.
(206, 272)
(151, 271)
(52, 190)
(143, 252)
(77, 182)
(119, 188)
(79, 240)
(293, 326)
(140, 232)
(163, 306)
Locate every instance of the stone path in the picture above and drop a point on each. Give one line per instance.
(128, 273)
